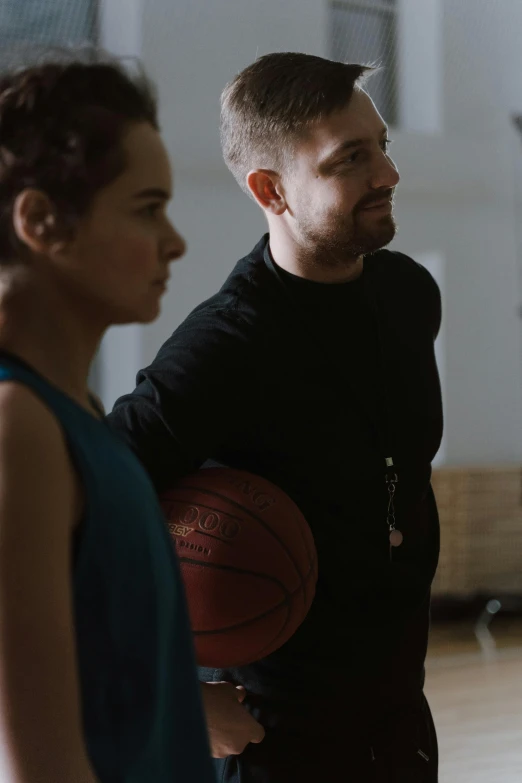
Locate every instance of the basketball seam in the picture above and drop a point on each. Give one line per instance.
(312, 558)
(237, 570)
(287, 599)
(286, 602)
(244, 623)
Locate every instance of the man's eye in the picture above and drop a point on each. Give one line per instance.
(351, 158)
(386, 144)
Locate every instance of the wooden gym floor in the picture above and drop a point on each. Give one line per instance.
(476, 698)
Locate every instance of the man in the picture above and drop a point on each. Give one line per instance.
(314, 367)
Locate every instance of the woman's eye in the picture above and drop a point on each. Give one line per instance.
(151, 210)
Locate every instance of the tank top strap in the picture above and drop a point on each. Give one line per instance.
(14, 369)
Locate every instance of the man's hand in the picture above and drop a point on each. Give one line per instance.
(230, 727)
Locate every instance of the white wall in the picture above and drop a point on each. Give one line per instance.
(483, 59)
(456, 198)
(482, 88)
(220, 225)
(121, 351)
(456, 201)
(194, 47)
(420, 65)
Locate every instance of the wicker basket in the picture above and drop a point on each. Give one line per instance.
(481, 530)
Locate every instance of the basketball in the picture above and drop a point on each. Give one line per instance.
(248, 562)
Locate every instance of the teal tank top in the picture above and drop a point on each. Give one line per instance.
(142, 713)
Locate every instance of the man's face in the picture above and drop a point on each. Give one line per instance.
(341, 184)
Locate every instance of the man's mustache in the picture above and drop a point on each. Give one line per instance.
(375, 198)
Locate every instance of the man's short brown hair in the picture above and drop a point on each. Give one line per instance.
(270, 104)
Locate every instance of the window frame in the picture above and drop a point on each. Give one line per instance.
(391, 11)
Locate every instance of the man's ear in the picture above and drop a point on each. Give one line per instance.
(36, 224)
(266, 188)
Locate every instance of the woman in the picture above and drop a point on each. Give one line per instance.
(97, 678)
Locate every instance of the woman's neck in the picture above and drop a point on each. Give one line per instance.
(51, 332)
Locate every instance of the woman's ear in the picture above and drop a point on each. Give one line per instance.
(35, 222)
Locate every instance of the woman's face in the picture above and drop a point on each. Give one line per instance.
(119, 257)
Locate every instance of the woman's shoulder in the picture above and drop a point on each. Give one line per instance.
(35, 467)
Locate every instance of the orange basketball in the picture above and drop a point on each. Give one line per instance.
(248, 561)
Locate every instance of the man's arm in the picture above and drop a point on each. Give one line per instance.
(183, 407)
(431, 298)
(188, 399)
(41, 736)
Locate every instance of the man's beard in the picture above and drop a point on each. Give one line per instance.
(343, 240)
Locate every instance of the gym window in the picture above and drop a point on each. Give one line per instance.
(60, 23)
(365, 31)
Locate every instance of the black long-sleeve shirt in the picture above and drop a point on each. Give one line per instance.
(307, 384)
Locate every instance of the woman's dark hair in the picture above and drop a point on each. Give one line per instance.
(61, 127)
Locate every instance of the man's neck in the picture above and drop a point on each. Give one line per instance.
(304, 264)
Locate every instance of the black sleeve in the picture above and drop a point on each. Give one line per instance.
(433, 300)
(426, 291)
(185, 401)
